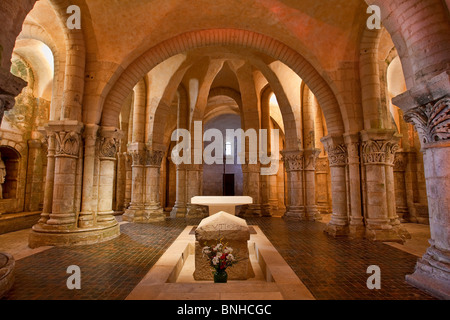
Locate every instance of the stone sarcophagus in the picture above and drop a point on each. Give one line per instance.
(231, 231)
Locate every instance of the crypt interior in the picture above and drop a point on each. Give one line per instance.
(86, 169)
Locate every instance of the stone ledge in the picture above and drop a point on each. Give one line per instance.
(75, 238)
(10, 222)
(7, 264)
(425, 282)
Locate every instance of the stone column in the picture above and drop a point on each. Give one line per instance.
(194, 175)
(337, 154)
(153, 210)
(50, 177)
(34, 176)
(109, 145)
(357, 228)
(323, 196)
(128, 179)
(428, 108)
(253, 190)
(179, 209)
(120, 183)
(68, 143)
(86, 218)
(135, 210)
(310, 184)
(293, 162)
(378, 151)
(401, 203)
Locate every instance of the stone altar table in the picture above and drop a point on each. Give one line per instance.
(226, 204)
(234, 233)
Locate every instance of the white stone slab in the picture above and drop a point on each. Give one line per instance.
(217, 204)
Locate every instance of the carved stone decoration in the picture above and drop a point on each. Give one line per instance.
(379, 152)
(67, 144)
(311, 159)
(154, 158)
(322, 165)
(432, 121)
(293, 162)
(109, 147)
(337, 155)
(138, 157)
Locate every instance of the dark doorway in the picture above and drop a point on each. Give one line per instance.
(228, 184)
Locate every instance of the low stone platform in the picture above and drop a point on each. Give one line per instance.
(171, 278)
(10, 222)
(7, 265)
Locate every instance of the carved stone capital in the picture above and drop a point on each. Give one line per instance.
(109, 143)
(310, 159)
(293, 160)
(67, 144)
(337, 154)
(154, 158)
(379, 152)
(432, 121)
(138, 157)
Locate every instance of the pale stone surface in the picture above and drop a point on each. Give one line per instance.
(171, 277)
(218, 204)
(231, 231)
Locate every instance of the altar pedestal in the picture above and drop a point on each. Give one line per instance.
(233, 232)
(225, 204)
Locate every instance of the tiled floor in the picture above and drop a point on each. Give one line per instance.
(330, 268)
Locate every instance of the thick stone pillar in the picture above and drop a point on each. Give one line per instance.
(337, 154)
(135, 211)
(180, 208)
(109, 145)
(50, 176)
(295, 207)
(128, 159)
(34, 176)
(323, 196)
(61, 227)
(356, 228)
(252, 189)
(86, 218)
(401, 201)
(194, 175)
(68, 143)
(153, 210)
(378, 152)
(312, 213)
(428, 108)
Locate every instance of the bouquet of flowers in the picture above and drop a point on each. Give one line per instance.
(220, 256)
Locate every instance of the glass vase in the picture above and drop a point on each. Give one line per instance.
(220, 276)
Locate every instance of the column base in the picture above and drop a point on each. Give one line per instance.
(71, 237)
(152, 215)
(387, 234)
(357, 231)
(313, 214)
(335, 230)
(432, 273)
(178, 212)
(296, 213)
(131, 214)
(253, 210)
(196, 211)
